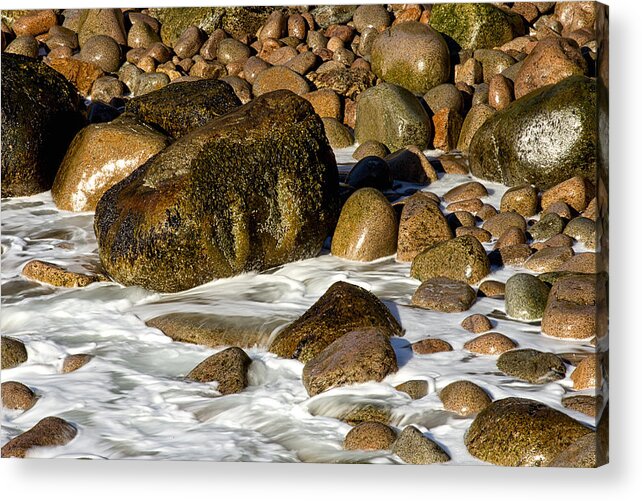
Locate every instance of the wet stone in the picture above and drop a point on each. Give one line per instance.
(514, 255)
(587, 374)
(555, 241)
(369, 148)
(520, 199)
(48, 432)
(493, 289)
(415, 448)
(415, 388)
(583, 453)
(526, 297)
(582, 229)
(444, 96)
(531, 365)
(499, 223)
(576, 192)
(561, 209)
(72, 363)
(445, 295)
(422, 225)
(512, 236)
(370, 172)
(17, 396)
(584, 262)
(461, 218)
(55, 275)
(370, 436)
(477, 323)
(339, 136)
(482, 235)
(410, 164)
(464, 398)
(586, 404)
(279, 77)
(547, 227)
(466, 191)
(326, 103)
(471, 205)
(429, 346)
(492, 343)
(25, 45)
(549, 259)
(228, 367)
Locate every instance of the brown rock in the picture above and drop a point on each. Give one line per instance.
(35, 23)
(81, 74)
(471, 205)
(25, 45)
(492, 288)
(13, 351)
(587, 374)
(520, 199)
(466, 191)
(108, 22)
(586, 404)
(482, 235)
(469, 72)
(512, 236)
(548, 259)
(515, 255)
(444, 294)
(492, 343)
(476, 323)
(447, 126)
(552, 60)
(571, 310)
(475, 118)
(575, 15)
(75, 362)
(583, 453)
(444, 96)
(429, 346)
(582, 230)
(232, 51)
(462, 218)
(584, 262)
(209, 49)
(274, 26)
(297, 27)
(591, 211)
(17, 396)
(576, 192)
(252, 67)
(464, 398)
(228, 367)
(279, 77)
(560, 208)
(48, 432)
(339, 136)
(142, 35)
(55, 275)
(497, 225)
(107, 88)
(411, 165)
(369, 148)
(370, 436)
(415, 388)
(415, 448)
(189, 43)
(486, 212)
(371, 16)
(356, 357)
(500, 92)
(422, 225)
(559, 240)
(326, 103)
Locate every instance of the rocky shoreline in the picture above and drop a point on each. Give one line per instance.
(208, 149)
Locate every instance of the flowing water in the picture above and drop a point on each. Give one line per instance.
(131, 400)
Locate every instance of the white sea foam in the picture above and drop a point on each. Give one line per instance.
(131, 400)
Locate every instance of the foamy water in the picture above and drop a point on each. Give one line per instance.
(131, 400)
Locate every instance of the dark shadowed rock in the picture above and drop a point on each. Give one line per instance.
(185, 106)
(49, 432)
(251, 190)
(583, 453)
(356, 357)
(370, 172)
(228, 367)
(521, 432)
(343, 308)
(40, 117)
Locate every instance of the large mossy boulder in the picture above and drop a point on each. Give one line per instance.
(181, 107)
(393, 116)
(521, 432)
(544, 138)
(41, 113)
(475, 25)
(343, 308)
(251, 190)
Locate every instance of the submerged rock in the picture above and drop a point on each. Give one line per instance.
(40, 116)
(48, 432)
(251, 190)
(565, 144)
(343, 308)
(521, 432)
(184, 106)
(228, 367)
(74, 362)
(356, 357)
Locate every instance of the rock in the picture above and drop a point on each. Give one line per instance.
(469, 72)
(444, 294)
(583, 453)
(551, 61)
(55, 275)
(575, 15)
(492, 288)
(430, 346)
(150, 82)
(367, 227)
(497, 225)
(174, 21)
(444, 96)
(74, 362)
(325, 15)
(107, 88)
(40, 109)
(492, 343)
(35, 23)
(411, 165)
(371, 16)
(475, 25)
(343, 308)
(232, 51)
(241, 22)
(560, 208)
(102, 51)
(500, 92)
(347, 82)
(100, 156)
(393, 116)
(411, 55)
(415, 388)
(81, 74)
(24, 45)
(514, 255)
(493, 62)
(240, 87)
(547, 227)
(184, 106)
(14, 352)
(422, 225)
(228, 367)
(521, 432)
(476, 323)
(512, 236)
(368, 148)
(462, 258)
(587, 374)
(576, 192)
(17, 396)
(584, 262)
(339, 136)
(415, 448)
(303, 64)
(366, 413)
(526, 297)
(464, 398)
(142, 36)
(564, 114)
(531, 365)
(520, 199)
(370, 172)
(465, 191)
(462, 219)
(571, 311)
(190, 42)
(279, 77)
(582, 229)
(326, 103)
(475, 118)
(556, 241)
(370, 436)
(48, 432)
(548, 259)
(190, 243)
(109, 22)
(586, 404)
(591, 211)
(356, 357)
(447, 126)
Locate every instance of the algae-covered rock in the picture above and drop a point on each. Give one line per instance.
(251, 190)
(40, 116)
(521, 432)
(184, 106)
(393, 116)
(526, 297)
(343, 308)
(414, 447)
(531, 365)
(174, 21)
(475, 25)
(544, 138)
(13, 351)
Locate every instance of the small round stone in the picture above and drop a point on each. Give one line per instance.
(13, 352)
(429, 346)
(232, 51)
(142, 35)
(370, 148)
(476, 323)
(464, 398)
(549, 259)
(25, 45)
(499, 223)
(416, 388)
(582, 229)
(369, 436)
(526, 297)
(586, 404)
(520, 199)
(102, 51)
(444, 96)
(492, 343)
(415, 448)
(371, 16)
(493, 289)
(75, 362)
(512, 236)
(339, 136)
(189, 43)
(107, 88)
(279, 77)
(465, 191)
(482, 235)
(444, 294)
(17, 396)
(587, 374)
(548, 226)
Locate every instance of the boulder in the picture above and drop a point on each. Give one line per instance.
(422, 225)
(48, 432)
(251, 190)
(343, 308)
(571, 311)
(228, 368)
(464, 398)
(17, 396)
(356, 357)
(184, 106)
(565, 145)
(41, 109)
(100, 156)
